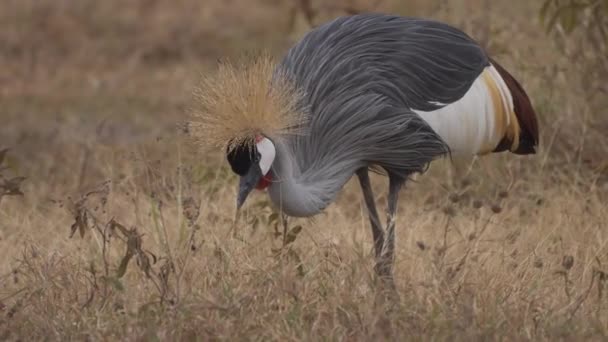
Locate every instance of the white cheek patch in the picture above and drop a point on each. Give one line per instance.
(267, 153)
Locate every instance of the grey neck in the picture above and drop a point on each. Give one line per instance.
(303, 193)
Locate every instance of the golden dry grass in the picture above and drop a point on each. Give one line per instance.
(91, 93)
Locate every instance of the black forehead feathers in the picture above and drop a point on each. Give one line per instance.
(241, 157)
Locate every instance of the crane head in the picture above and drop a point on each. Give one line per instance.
(252, 162)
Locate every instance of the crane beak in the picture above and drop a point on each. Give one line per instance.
(248, 183)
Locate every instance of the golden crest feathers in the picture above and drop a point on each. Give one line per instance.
(243, 100)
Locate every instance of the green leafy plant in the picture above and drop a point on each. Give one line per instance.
(570, 14)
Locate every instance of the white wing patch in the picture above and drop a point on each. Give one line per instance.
(477, 122)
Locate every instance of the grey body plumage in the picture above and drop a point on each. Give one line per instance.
(362, 76)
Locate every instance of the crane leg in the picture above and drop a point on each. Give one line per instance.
(368, 196)
(387, 256)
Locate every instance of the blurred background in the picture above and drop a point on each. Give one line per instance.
(122, 71)
(94, 94)
(68, 65)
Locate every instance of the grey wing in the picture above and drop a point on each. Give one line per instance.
(364, 75)
(416, 63)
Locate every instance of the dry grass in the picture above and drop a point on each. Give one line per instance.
(91, 92)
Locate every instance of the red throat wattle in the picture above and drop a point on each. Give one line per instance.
(264, 181)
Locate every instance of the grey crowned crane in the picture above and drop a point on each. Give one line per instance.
(364, 91)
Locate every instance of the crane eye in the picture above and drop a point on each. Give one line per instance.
(257, 157)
